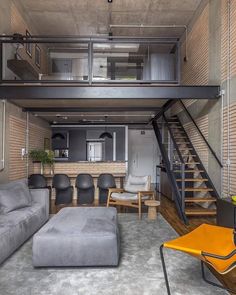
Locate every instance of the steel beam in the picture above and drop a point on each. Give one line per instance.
(107, 92)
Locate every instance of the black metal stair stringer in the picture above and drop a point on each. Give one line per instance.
(204, 174)
(175, 188)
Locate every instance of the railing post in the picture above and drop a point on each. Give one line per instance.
(183, 185)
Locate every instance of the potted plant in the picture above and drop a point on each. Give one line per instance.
(42, 157)
(49, 160)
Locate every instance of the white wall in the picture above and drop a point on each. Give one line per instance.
(144, 153)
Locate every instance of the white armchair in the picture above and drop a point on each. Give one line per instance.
(137, 189)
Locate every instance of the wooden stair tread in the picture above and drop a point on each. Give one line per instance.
(197, 189)
(199, 200)
(193, 179)
(190, 171)
(185, 149)
(182, 142)
(200, 211)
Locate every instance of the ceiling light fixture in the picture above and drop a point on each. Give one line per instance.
(105, 134)
(109, 1)
(58, 135)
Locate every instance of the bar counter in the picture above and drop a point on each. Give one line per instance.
(72, 169)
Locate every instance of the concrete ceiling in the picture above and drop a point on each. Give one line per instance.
(91, 17)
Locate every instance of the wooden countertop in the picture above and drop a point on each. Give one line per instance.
(93, 175)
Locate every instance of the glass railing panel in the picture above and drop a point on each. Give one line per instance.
(134, 62)
(46, 61)
(123, 61)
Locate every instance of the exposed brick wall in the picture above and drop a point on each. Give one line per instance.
(86, 167)
(196, 69)
(17, 141)
(229, 111)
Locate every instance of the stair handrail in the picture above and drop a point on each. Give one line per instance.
(182, 163)
(202, 135)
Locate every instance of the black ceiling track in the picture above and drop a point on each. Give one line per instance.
(90, 109)
(107, 92)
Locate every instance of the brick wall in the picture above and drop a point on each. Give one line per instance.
(17, 141)
(228, 77)
(197, 71)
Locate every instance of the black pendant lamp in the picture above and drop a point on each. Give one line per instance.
(105, 134)
(58, 136)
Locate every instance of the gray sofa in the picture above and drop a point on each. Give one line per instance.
(22, 213)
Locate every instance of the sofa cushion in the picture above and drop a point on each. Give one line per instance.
(13, 196)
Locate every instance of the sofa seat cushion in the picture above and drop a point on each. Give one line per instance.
(127, 196)
(20, 216)
(14, 196)
(19, 225)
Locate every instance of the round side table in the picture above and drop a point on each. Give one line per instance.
(152, 208)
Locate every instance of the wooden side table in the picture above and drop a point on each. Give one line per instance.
(152, 208)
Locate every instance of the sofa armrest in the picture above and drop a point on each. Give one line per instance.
(41, 196)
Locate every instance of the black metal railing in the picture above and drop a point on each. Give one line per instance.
(179, 162)
(202, 135)
(178, 198)
(87, 59)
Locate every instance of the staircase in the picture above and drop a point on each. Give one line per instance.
(196, 195)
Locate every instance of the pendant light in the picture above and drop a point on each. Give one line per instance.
(58, 136)
(105, 134)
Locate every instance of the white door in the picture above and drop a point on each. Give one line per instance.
(144, 153)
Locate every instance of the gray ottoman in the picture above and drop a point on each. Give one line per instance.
(78, 237)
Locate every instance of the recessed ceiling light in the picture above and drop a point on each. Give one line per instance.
(109, 1)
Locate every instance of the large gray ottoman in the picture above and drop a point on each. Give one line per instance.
(78, 237)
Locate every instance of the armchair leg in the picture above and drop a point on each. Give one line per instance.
(164, 270)
(139, 207)
(108, 200)
(212, 283)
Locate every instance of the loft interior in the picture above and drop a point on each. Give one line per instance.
(118, 118)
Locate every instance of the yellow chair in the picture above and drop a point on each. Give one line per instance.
(213, 245)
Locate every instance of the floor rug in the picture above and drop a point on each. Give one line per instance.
(139, 271)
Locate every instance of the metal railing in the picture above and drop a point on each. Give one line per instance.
(181, 162)
(3, 123)
(91, 46)
(178, 199)
(201, 134)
